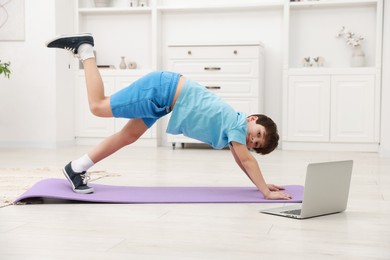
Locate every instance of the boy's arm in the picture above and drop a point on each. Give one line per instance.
(250, 167)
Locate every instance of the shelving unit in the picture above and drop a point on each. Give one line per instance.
(145, 24)
(306, 34)
(142, 34)
(112, 25)
(317, 111)
(151, 15)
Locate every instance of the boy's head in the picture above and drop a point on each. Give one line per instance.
(262, 135)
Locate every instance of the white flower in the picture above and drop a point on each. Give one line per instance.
(350, 38)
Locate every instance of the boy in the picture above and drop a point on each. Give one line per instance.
(196, 113)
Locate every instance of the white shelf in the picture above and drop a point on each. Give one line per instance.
(331, 3)
(203, 44)
(333, 71)
(115, 10)
(119, 72)
(221, 8)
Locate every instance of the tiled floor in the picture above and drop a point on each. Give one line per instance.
(189, 231)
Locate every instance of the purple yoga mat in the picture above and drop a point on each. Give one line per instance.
(60, 189)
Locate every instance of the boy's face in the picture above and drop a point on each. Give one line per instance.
(255, 137)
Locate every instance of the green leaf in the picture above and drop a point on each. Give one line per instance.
(4, 69)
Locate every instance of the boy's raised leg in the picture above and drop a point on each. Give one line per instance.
(81, 45)
(99, 104)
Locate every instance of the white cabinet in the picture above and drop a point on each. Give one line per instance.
(91, 129)
(232, 71)
(353, 109)
(334, 106)
(332, 109)
(308, 108)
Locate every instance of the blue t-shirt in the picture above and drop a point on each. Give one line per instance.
(202, 115)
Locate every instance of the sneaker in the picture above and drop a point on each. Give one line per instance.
(70, 42)
(77, 180)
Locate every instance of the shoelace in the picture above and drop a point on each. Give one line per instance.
(72, 50)
(85, 177)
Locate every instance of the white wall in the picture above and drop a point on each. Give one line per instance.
(30, 101)
(65, 77)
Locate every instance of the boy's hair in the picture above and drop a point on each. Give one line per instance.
(271, 136)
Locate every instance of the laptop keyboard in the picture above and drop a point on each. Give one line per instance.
(293, 212)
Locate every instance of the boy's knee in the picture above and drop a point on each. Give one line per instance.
(96, 109)
(100, 108)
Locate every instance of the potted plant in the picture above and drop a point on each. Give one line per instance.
(4, 69)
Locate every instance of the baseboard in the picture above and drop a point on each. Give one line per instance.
(384, 152)
(90, 141)
(350, 147)
(39, 145)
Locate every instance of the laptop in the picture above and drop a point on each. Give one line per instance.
(326, 191)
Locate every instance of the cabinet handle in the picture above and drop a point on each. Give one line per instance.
(212, 68)
(213, 87)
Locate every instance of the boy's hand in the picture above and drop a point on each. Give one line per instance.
(250, 167)
(273, 187)
(277, 195)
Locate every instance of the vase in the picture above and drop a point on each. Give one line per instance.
(358, 58)
(123, 65)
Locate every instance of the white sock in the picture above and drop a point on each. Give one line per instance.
(82, 164)
(85, 51)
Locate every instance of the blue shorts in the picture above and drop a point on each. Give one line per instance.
(148, 98)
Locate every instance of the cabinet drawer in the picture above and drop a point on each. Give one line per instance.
(231, 88)
(215, 68)
(213, 52)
